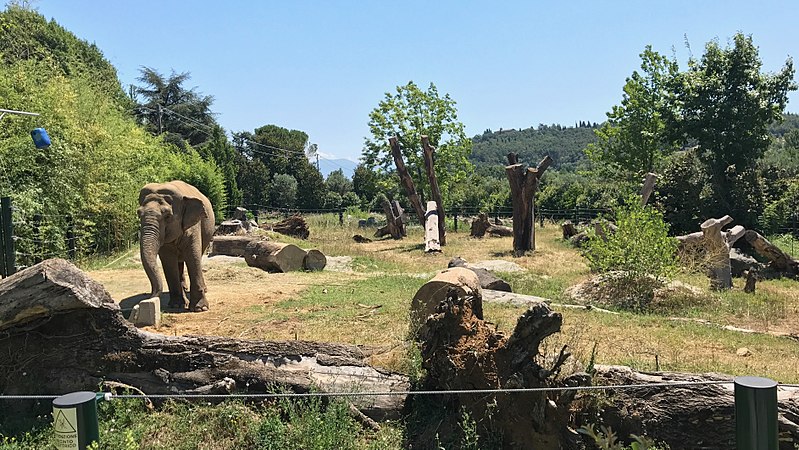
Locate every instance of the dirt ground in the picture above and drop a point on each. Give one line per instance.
(233, 291)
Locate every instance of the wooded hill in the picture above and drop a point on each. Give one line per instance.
(565, 145)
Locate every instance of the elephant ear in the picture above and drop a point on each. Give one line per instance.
(193, 212)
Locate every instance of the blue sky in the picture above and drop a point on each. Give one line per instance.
(322, 66)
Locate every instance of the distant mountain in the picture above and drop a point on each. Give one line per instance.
(329, 165)
(564, 144)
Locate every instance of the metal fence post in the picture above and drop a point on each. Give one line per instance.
(756, 413)
(75, 422)
(8, 237)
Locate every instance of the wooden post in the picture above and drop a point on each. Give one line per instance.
(648, 187)
(72, 246)
(523, 185)
(341, 217)
(435, 192)
(9, 255)
(455, 219)
(405, 179)
(38, 242)
(431, 236)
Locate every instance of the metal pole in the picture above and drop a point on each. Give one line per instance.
(8, 237)
(756, 413)
(75, 422)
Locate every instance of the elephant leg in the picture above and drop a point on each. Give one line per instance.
(183, 285)
(193, 259)
(172, 272)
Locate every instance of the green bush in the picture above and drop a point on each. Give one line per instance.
(640, 252)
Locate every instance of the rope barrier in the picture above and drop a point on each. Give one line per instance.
(392, 393)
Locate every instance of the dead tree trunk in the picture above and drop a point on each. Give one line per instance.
(778, 259)
(431, 230)
(274, 257)
(462, 351)
(523, 185)
(61, 332)
(718, 253)
(403, 218)
(434, 191)
(648, 187)
(394, 225)
(292, 226)
(405, 179)
(701, 416)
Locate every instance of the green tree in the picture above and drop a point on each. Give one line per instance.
(408, 114)
(169, 107)
(365, 184)
(283, 191)
(253, 178)
(284, 151)
(634, 137)
(338, 183)
(726, 105)
(219, 150)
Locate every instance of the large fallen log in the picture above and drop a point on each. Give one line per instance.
(487, 278)
(314, 260)
(274, 257)
(457, 279)
(61, 332)
(481, 225)
(700, 416)
(778, 259)
(231, 245)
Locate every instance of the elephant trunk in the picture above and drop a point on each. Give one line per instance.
(149, 244)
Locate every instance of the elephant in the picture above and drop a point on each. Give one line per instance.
(177, 225)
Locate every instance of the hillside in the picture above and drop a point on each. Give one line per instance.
(564, 144)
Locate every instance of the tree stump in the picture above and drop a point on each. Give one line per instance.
(431, 237)
(523, 186)
(274, 257)
(394, 225)
(294, 226)
(718, 253)
(405, 178)
(569, 230)
(62, 333)
(314, 260)
(461, 351)
(751, 280)
(228, 227)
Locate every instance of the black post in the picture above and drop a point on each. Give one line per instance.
(8, 237)
(38, 242)
(75, 422)
(756, 413)
(341, 217)
(72, 246)
(456, 221)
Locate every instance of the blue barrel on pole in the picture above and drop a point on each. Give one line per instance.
(40, 138)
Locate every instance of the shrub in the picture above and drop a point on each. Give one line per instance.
(640, 251)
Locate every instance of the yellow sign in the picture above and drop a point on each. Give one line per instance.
(65, 425)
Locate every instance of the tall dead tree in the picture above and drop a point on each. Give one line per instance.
(648, 187)
(405, 179)
(717, 245)
(435, 192)
(523, 186)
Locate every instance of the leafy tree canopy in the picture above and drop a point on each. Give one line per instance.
(408, 114)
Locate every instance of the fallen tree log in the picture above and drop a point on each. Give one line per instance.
(481, 225)
(778, 259)
(72, 337)
(231, 245)
(700, 416)
(487, 278)
(457, 279)
(314, 260)
(274, 257)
